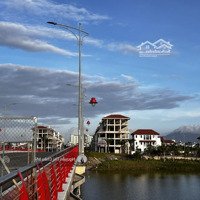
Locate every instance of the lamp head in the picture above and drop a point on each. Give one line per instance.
(54, 23)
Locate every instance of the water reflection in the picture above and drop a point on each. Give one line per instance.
(107, 186)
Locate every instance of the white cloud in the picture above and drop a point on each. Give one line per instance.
(122, 47)
(23, 37)
(47, 10)
(51, 9)
(44, 93)
(127, 77)
(32, 38)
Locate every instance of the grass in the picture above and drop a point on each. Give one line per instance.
(144, 166)
(149, 166)
(101, 155)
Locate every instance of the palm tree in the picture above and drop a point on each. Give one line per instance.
(124, 145)
(44, 141)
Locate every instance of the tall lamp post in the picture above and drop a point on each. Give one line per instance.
(79, 35)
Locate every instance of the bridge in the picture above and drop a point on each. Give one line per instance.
(56, 177)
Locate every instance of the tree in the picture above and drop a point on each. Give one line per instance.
(124, 145)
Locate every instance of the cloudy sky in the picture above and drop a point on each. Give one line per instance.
(39, 61)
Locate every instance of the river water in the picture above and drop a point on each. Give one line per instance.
(110, 186)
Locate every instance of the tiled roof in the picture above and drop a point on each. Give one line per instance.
(166, 141)
(145, 132)
(116, 116)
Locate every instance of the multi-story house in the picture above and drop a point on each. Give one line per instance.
(48, 139)
(112, 134)
(143, 138)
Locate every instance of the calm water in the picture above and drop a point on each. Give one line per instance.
(101, 186)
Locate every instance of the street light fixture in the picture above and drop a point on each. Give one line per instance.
(93, 101)
(79, 35)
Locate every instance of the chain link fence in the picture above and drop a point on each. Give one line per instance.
(17, 142)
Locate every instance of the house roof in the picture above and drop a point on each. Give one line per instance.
(166, 141)
(145, 132)
(116, 116)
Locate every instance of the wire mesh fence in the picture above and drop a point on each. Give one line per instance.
(17, 146)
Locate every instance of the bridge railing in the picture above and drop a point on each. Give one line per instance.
(42, 180)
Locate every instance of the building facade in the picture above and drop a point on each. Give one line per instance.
(143, 138)
(112, 134)
(73, 139)
(87, 140)
(48, 139)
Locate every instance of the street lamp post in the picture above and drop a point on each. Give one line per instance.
(79, 35)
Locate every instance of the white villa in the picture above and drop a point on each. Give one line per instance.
(142, 138)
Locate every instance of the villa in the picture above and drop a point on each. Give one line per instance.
(142, 138)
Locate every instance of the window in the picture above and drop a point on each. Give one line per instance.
(110, 121)
(117, 128)
(110, 135)
(147, 137)
(117, 121)
(117, 142)
(110, 128)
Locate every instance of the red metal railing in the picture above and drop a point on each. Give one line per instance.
(42, 182)
(20, 149)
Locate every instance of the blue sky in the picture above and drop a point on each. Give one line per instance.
(37, 60)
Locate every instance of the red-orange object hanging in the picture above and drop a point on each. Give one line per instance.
(93, 101)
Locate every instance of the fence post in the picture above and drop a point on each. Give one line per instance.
(34, 139)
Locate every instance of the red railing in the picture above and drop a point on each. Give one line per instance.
(42, 182)
(20, 149)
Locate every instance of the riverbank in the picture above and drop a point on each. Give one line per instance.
(113, 162)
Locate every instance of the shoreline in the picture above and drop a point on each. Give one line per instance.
(102, 162)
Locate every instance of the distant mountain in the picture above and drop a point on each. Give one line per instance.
(185, 134)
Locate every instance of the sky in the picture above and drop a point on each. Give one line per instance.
(39, 62)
